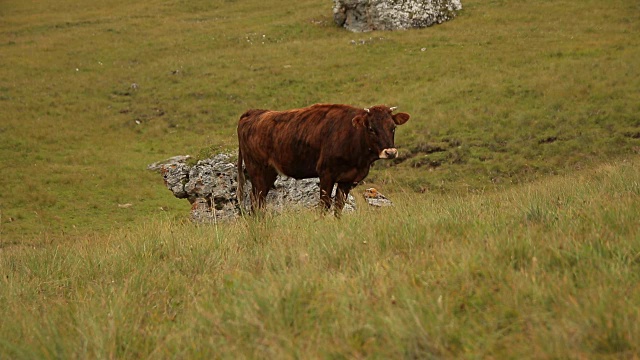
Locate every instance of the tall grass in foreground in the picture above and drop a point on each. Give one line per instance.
(543, 270)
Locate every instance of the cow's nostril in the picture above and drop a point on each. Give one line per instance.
(391, 153)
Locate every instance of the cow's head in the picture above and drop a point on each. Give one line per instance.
(379, 125)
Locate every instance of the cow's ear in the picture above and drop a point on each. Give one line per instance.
(401, 118)
(359, 120)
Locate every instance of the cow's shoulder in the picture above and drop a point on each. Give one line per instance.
(331, 106)
(253, 112)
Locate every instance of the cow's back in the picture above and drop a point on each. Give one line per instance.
(293, 141)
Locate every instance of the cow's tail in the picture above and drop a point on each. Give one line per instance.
(241, 181)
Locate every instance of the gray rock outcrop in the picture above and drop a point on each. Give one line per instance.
(211, 184)
(375, 198)
(368, 15)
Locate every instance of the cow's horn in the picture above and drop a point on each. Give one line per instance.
(365, 109)
(393, 108)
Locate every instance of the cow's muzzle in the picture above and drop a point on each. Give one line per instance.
(389, 153)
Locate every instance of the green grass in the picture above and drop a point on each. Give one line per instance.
(514, 233)
(549, 269)
(506, 93)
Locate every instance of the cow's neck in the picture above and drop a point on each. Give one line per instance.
(365, 155)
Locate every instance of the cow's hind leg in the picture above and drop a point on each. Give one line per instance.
(261, 186)
(342, 192)
(326, 186)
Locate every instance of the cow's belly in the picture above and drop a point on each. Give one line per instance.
(298, 172)
(295, 162)
(296, 168)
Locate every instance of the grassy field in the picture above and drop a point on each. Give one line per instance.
(507, 93)
(515, 227)
(545, 270)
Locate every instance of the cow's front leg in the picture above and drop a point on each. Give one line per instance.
(326, 186)
(341, 197)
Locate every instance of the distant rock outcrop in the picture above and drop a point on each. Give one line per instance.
(368, 15)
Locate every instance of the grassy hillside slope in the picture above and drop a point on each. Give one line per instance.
(544, 270)
(91, 92)
(515, 231)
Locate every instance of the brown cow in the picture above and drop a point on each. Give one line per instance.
(337, 143)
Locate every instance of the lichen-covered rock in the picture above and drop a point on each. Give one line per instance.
(175, 176)
(368, 15)
(374, 198)
(157, 166)
(305, 192)
(203, 211)
(211, 184)
(215, 177)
